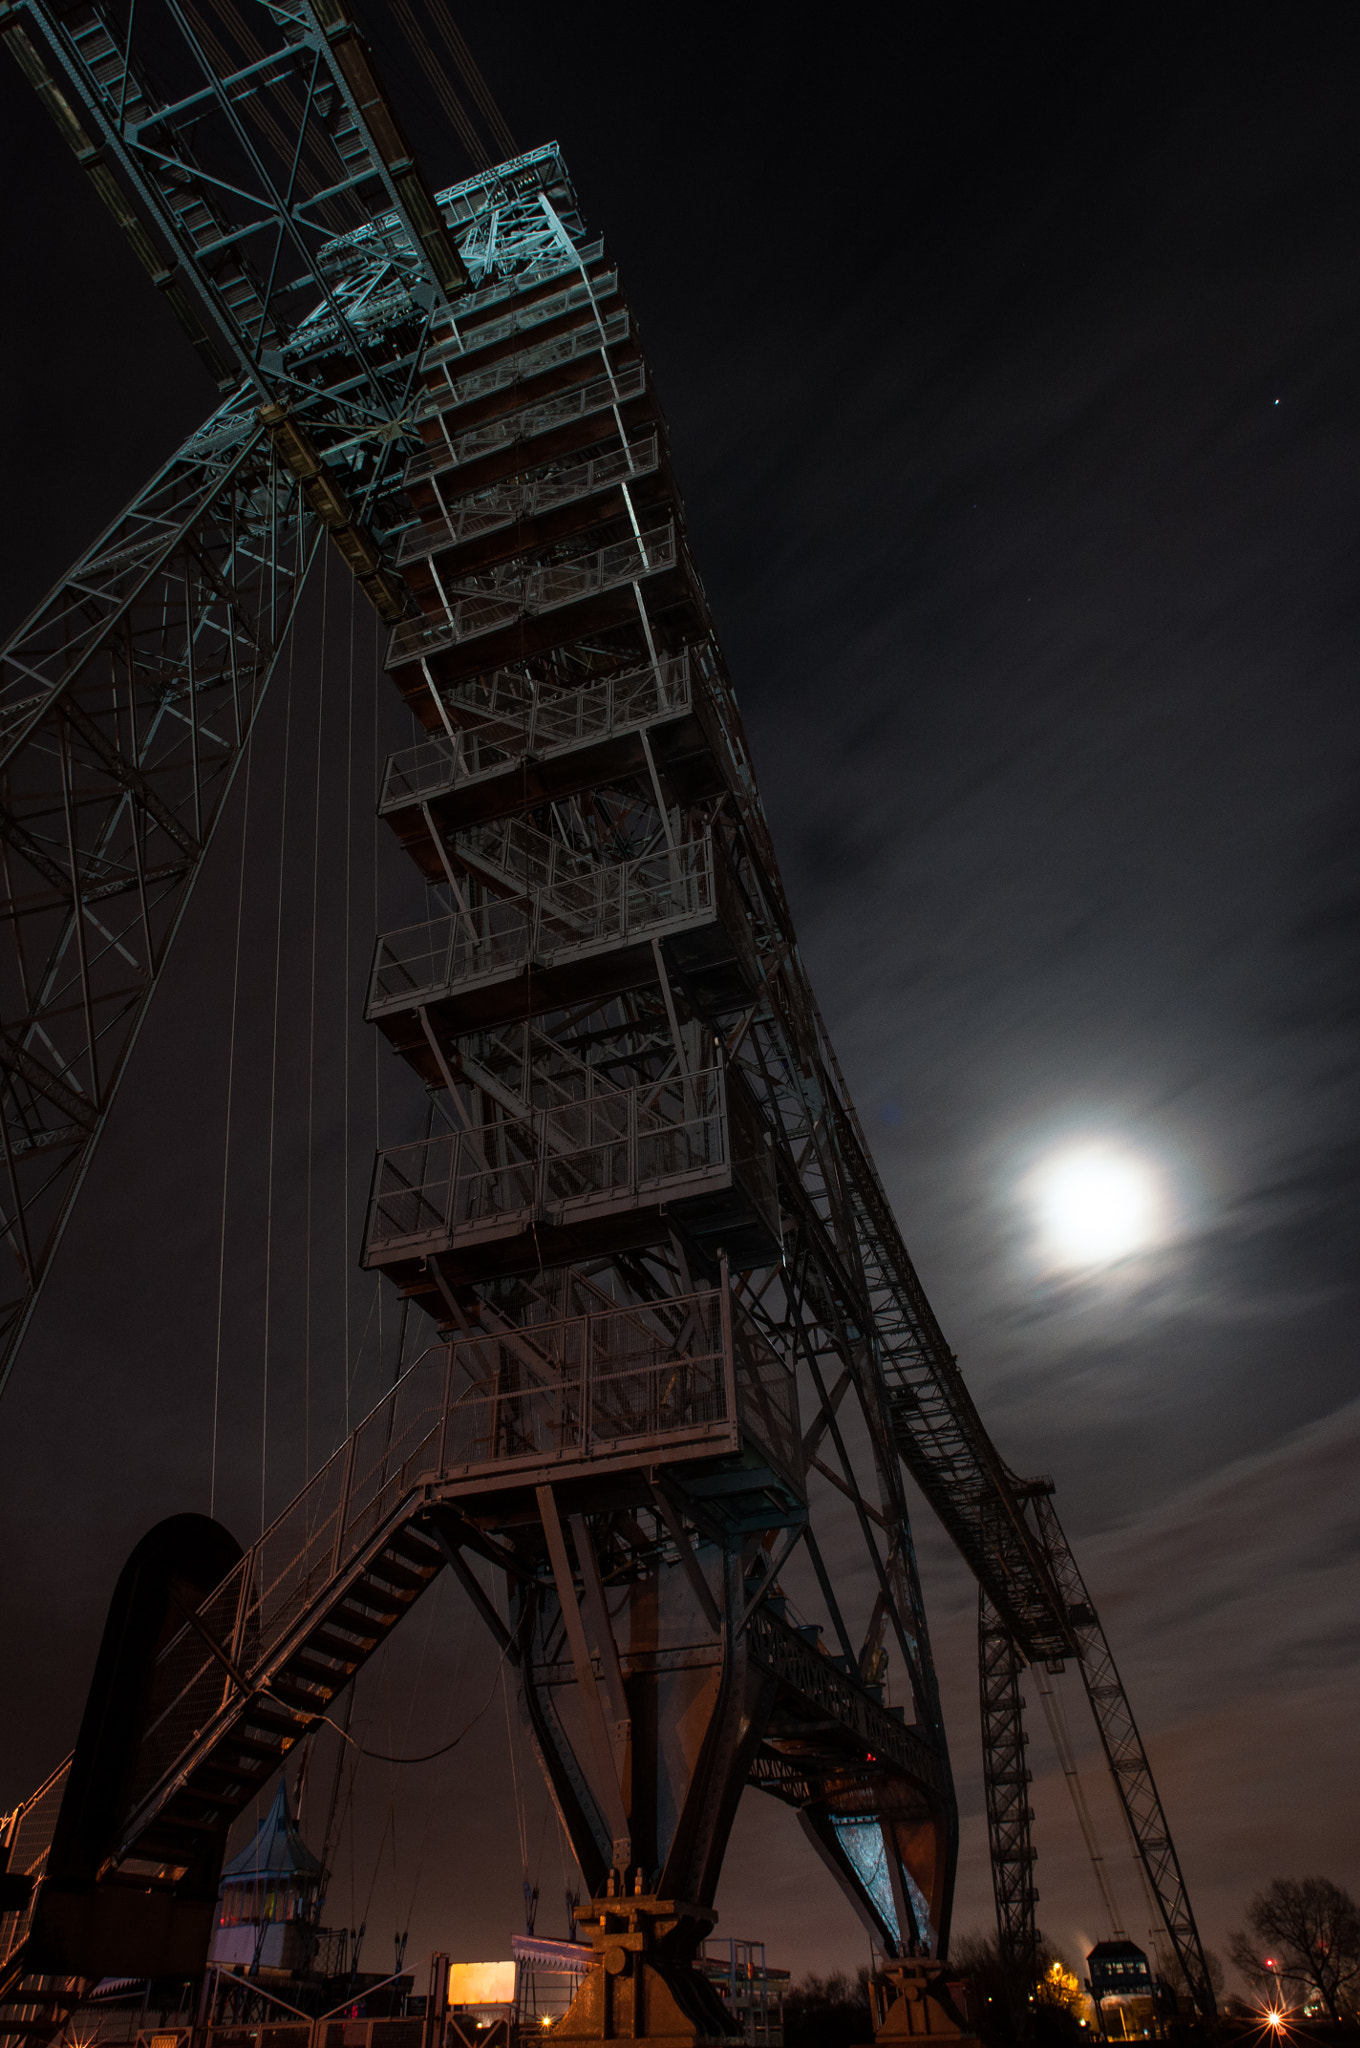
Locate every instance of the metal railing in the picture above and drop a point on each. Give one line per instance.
(688, 1369)
(606, 1151)
(502, 717)
(535, 590)
(516, 855)
(510, 593)
(767, 1399)
(589, 1386)
(26, 1835)
(488, 333)
(526, 421)
(594, 909)
(752, 1993)
(532, 361)
(318, 1536)
(523, 497)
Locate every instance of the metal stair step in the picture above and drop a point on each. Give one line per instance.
(295, 1691)
(412, 1543)
(303, 1667)
(358, 1611)
(269, 1751)
(196, 1796)
(399, 1576)
(174, 1827)
(257, 1716)
(255, 1768)
(336, 1646)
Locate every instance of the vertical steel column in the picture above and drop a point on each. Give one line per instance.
(1006, 1777)
(1127, 1758)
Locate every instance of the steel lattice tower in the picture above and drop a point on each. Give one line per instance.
(673, 1322)
(1008, 1777)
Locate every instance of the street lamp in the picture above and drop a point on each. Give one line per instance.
(1275, 2018)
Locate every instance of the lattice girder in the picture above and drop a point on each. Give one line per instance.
(641, 1107)
(126, 701)
(1006, 1782)
(607, 946)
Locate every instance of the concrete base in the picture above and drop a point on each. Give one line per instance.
(920, 2000)
(642, 1987)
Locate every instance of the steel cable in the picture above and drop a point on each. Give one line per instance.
(1062, 1742)
(439, 83)
(497, 125)
(311, 1038)
(274, 1088)
(226, 1146)
(382, 1757)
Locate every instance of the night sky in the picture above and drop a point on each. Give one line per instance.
(1009, 360)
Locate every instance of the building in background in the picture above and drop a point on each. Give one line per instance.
(752, 1992)
(270, 1904)
(490, 2004)
(481, 2006)
(1123, 1992)
(547, 1977)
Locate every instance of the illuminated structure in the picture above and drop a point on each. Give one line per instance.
(1123, 1991)
(271, 1903)
(752, 1992)
(675, 1330)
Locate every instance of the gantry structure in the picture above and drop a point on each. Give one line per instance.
(679, 1359)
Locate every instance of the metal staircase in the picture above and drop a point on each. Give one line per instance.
(242, 1681)
(679, 1325)
(261, 1661)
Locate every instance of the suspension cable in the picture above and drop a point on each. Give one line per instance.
(440, 84)
(226, 1146)
(451, 1706)
(274, 1089)
(376, 1036)
(346, 1004)
(514, 1780)
(497, 126)
(311, 1035)
(381, 1756)
(1062, 1742)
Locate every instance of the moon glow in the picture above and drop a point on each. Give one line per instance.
(1096, 1204)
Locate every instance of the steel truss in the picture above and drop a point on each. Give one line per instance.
(1007, 1779)
(1124, 1752)
(677, 1324)
(126, 699)
(125, 703)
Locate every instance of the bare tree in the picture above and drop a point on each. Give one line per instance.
(1305, 1934)
(828, 2012)
(1170, 1970)
(1014, 2002)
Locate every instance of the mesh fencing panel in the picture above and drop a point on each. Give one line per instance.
(29, 1843)
(609, 1147)
(559, 1390)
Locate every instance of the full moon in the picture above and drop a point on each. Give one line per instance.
(1097, 1203)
